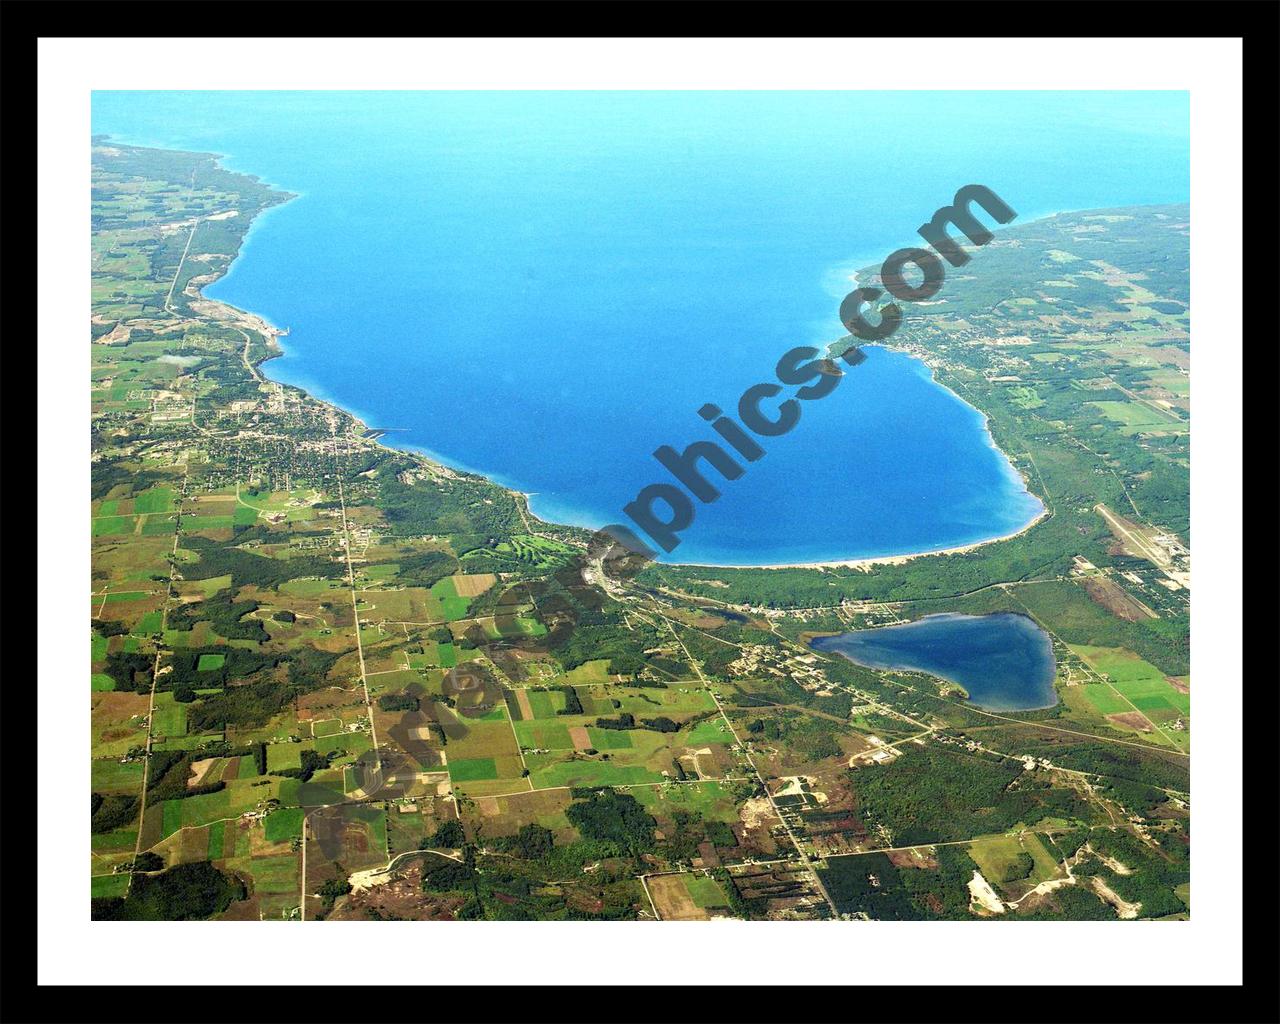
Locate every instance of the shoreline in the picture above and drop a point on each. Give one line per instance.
(866, 563)
(813, 643)
(861, 563)
(271, 334)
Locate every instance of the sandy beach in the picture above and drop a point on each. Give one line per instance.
(867, 563)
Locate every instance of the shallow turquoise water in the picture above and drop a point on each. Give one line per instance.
(545, 287)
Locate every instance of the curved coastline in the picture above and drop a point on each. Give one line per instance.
(272, 334)
(1028, 694)
(867, 562)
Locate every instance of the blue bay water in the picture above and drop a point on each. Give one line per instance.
(545, 287)
(1004, 661)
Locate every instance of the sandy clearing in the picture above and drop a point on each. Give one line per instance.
(1113, 864)
(1125, 910)
(756, 810)
(199, 769)
(794, 784)
(361, 880)
(982, 895)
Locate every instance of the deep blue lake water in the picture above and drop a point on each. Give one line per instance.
(545, 287)
(1004, 661)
